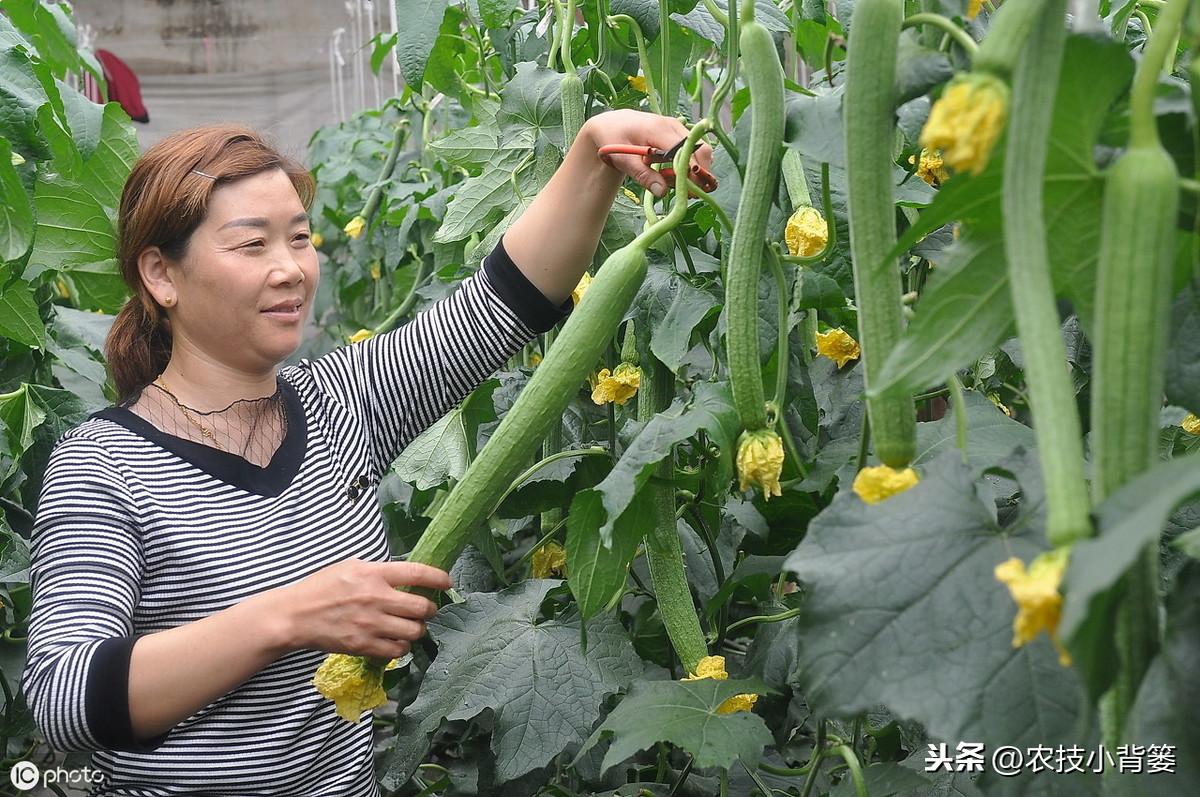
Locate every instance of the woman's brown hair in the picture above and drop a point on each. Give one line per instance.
(162, 204)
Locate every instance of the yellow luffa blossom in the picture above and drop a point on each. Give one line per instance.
(966, 121)
(806, 233)
(714, 667)
(361, 335)
(881, 482)
(355, 226)
(1191, 424)
(351, 684)
(1039, 603)
(638, 82)
(61, 287)
(632, 197)
(535, 359)
(17, 160)
(375, 270)
(930, 167)
(837, 345)
(317, 240)
(760, 461)
(619, 385)
(973, 8)
(584, 282)
(550, 561)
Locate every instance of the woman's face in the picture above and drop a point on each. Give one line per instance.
(250, 253)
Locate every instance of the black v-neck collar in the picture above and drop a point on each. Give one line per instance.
(231, 468)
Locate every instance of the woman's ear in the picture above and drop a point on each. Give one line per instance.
(153, 267)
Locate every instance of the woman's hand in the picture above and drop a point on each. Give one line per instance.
(354, 607)
(627, 126)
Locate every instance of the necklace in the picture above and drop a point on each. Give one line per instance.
(204, 431)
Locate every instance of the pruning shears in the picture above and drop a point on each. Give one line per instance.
(649, 155)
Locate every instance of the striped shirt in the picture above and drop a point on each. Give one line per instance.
(138, 531)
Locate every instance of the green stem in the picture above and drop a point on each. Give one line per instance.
(389, 165)
(727, 80)
(960, 36)
(409, 300)
(960, 414)
(1143, 126)
(781, 347)
(593, 451)
(567, 33)
(1146, 27)
(643, 58)
(764, 618)
(1056, 417)
(860, 783)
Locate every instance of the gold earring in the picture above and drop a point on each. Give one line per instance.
(170, 300)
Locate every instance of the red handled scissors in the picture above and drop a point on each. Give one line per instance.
(698, 174)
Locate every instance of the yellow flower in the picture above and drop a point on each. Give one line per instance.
(806, 233)
(584, 283)
(632, 197)
(375, 270)
(619, 385)
(973, 8)
(550, 561)
(931, 167)
(1191, 424)
(351, 684)
(638, 82)
(837, 345)
(535, 359)
(61, 287)
(355, 226)
(714, 667)
(17, 160)
(966, 121)
(1039, 604)
(882, 482)
(360, 335)
(760, 461)
(317, 239)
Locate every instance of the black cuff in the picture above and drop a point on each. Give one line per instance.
(522, 296)
(107, 698)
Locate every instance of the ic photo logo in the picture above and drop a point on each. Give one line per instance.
(26, 775)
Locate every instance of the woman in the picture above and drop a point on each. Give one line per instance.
(200, 547)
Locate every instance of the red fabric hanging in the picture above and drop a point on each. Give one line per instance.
(123, 86)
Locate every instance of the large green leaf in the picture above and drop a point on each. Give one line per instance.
(19, 318)
(671, 308)
(1164, 713)
(953, 324)
(684, 713)
(711, 409)
(991, 435)
(531, 104)
(964, 312)
(73, 228)
(903, 609)
(596, 572)
(50, 30)
(543, 689)
(16, 213)
(436, 455)
(25, 85)
(1183, 356)
(1128, 521)
(480, 198)
(422, 21)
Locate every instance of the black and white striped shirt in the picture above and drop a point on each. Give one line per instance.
(138, 531)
